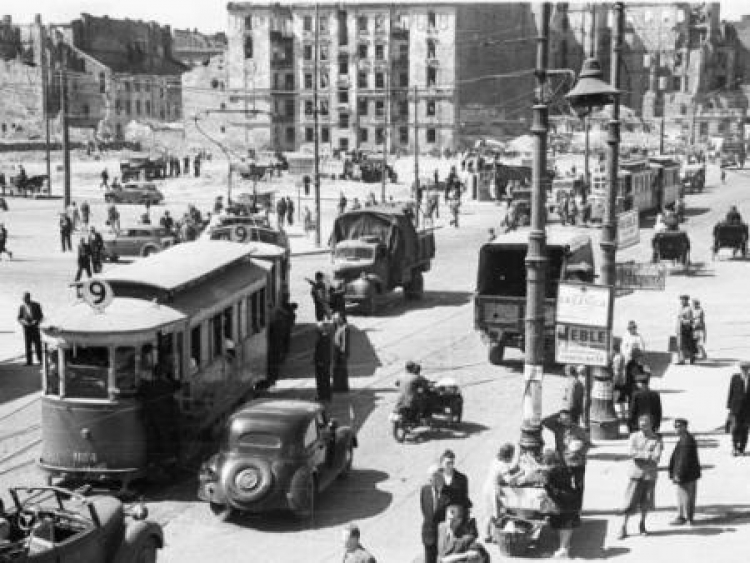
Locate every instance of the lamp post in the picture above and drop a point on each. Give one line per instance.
(591, 91)
(536, 259)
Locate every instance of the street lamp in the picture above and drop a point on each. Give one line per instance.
(591, 91)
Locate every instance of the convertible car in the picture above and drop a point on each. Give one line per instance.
(276, 454)
(56, 525)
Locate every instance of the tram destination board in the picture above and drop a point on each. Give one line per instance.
(636, 275)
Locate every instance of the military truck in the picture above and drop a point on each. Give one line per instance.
(377, 249)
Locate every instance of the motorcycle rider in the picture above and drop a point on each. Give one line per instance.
(410, 384)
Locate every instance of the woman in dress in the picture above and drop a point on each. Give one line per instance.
(645, 448)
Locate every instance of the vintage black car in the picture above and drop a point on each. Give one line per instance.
(276, 454)
(52, 524)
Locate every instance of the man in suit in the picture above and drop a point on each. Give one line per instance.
(738, 404)
(322, 359)
(353, 550)
(684, 471)
(340, 354)
(645, 401)
(433, 505)
(30, 315)
(456, 489)
(457, 539)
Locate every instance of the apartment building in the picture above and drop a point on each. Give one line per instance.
(380, 68)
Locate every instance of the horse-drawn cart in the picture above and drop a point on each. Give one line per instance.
(730, 235)
(671, 245)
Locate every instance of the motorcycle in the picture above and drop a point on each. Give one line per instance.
(436, 402)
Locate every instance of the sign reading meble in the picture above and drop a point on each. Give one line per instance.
(582, 335)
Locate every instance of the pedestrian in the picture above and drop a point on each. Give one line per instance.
(85, 213)
(177, 166)
(699, 329)
(353, 550)
(319, 292)
(307, 220)
(433, 505)
(631, 341)
(218, 205)
(74, 215)
(105, 179)
(30, 316)
(197, 166)
(322, 359)
(167, 222)
(356, 205)
(289, 211)
(575, 392)
(684, 471)
(186, 165)
(342, 203)
(280, 212)
(457, 538)
(559, 485)
(84, 259)
(97, 250)
(4, 242)
(503, 472)
(340, 354)
(337, 299)
(684, 332)
(455, 207)
(113, 217)
(645, 401)
(645, 448)
(621, 389)
(571, 443)
(738, 403)
(723, 176)
(456, 484)
(66, 229)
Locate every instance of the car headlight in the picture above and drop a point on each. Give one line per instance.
(247, 479)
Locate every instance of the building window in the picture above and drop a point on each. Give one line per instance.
(307, 52)
(147, 86)
(343, 66)
(148, 107)
(308, 81)
(127, 86)
(404, 79)
(431, 20)
(379, 80)
(431, 136)
(362, 107)
(431, 108)
(86, 110)
(323, 105)
(361, 80)
(344, 144)
(362, 23)
(343, 121)
(323, 24)
(379, 23)
(138, 107)
(363, 135)
(222, 106)
(289, 108)
(403, 108)
(290, 135)
(343, 96)
(248, 47)
(431, 76)
(248, 22)
(324, 82)
(102, 83)
(430, 49)
(289, 82)
(308, 107)
(403, 135)
(323, 52)
(379, 108)
(380, 52)
(325, 135)
(118, 130)
(379, 136)
(307, 23)
(309, 135)
(136, 86)
(362, 51)
(403, 51)
(128, 107)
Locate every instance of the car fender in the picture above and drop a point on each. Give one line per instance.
(152, 248)
(136, 534)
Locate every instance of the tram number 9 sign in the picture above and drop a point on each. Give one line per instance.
(97, 294)
(240, 234)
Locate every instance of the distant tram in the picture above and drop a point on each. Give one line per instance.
(183, 342)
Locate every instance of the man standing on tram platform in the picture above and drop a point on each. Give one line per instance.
(30, 315)
(161, 416)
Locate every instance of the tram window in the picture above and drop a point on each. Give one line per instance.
(53, 372)
(125, 378)
(195, 345)
(218, 336)
(254, 313)
(86, 372)
(242, 316)
(228, 323)
(274, 274)
(165, 353)
(178, 359)
(261, 309)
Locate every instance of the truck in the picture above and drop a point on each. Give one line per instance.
(378, 249)
(500, 297)
(732, 154)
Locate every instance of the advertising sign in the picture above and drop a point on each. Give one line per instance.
(575, 344)
(628, 229)
(583, 304)
(633, 275)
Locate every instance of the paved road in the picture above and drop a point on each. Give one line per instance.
(381, 494)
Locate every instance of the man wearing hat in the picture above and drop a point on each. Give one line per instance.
(684, 471)
(572, 445)
(575, 393)
(632, 341)
(644, 401)
(738, 404)
(685, 342)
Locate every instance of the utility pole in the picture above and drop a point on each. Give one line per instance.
(45, 95)
(536, 259)
(64, 119)
(593, 48)
(661, 134)
(387, 104)
(416, 153)
(316, 140)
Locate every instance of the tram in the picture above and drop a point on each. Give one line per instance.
(182, 341)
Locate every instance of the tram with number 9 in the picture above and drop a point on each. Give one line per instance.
(153, 361)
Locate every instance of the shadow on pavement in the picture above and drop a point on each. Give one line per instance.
(588, 542)
(446, 431)
(695, 211)
(658, 362)
(394, 304)
(18, 380)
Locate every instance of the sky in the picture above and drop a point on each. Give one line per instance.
(207, 16)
